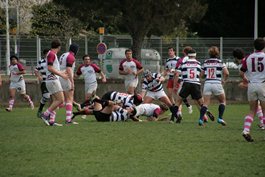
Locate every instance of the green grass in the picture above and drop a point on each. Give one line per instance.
(123, 149)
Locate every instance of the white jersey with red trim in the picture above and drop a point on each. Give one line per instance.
(254, 67)
(52, 60)
(14, 69)
(67, 60)
(146, 109)
(89, 72)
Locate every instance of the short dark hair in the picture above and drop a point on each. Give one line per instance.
(55, 43)
(171, 48)
(259, 44)
(14, 56)
(86, 55)
(238, 53)
(45, 51)
(128, 50)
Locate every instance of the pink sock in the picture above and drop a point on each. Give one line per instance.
(260, 115)
(11, 103)
(48, 112)
(247, 123)
(52, 117)
(68, 108)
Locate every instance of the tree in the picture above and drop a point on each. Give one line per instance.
(231, 18)
(54, 20)
(136, 17)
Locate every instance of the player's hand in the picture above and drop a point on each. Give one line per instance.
(64, 75)
(104, 80)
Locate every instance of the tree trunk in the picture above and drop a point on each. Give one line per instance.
(137, 45)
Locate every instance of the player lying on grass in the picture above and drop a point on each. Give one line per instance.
(106, 111)
(150, 110)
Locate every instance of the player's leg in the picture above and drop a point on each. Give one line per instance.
(69, 95)
(44, 99)
(12, 94)
(55, 89)
(221, 109)
(248, 120)
(260, 116)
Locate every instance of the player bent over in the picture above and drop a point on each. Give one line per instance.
(152, 88)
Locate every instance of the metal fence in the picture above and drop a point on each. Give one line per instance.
(29, 48)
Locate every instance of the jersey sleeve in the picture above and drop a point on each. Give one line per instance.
(20, 67)
(50, 58)
(70, 60)
(121, 68)
(96, 68)
(138, 64)
(157, 112)
(244, 67)
(78, 71)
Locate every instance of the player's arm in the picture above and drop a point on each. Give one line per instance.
(121, 69)
(70, 74)
(50, 60)
(57, 72)
(103, 76)
(225, 74)
(21, 70)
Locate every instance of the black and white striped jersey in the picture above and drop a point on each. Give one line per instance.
(42, 67)
(154, 85)
(190, 70)
(213, 69)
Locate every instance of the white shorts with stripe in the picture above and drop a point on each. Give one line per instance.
(20, 86)
(54, 86)
(256, 91)
(213, 89)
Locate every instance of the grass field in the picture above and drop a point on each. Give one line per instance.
(129, 149)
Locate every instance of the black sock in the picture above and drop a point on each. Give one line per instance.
(41, 107)
(221, 110)
(203, 111)
(174, 111)
(185, 101)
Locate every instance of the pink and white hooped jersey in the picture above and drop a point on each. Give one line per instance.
(254, 67)
(89, 72)
(67, 60)
(132, 65)
(52, 60)
(14, 77)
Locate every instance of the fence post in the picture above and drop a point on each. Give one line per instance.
(86, 47)
(177, 46)
(38, 44)
(221, 48)
(161, 50)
